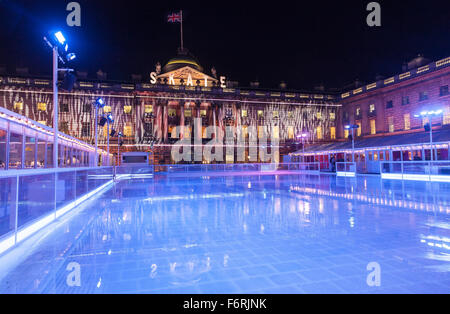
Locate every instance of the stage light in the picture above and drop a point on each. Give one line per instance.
(102, 121)
(70, 56)
(60, 37)
(110, 118)
(66, 47)
(120, 134)
(100, 102)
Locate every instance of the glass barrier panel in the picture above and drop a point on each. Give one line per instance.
(65, 188)
(30, 148)
(36, 197)
(15, 151)
(82, 182)
(3, 135)
(8, 194)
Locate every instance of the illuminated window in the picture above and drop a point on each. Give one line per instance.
(171, 131)
(332, 116)
(290, 114)
(203, 112)
(187, 112)
(42, 106)
(260, 131)
(371, 108)
(18, 105)
(346, 133)
(127, 109)
(43, 122)
(149, 109)
(407, 121)
(187, 132)
(128, 130)
(244, 113)
(204, 132)
(358, 130)
(244, 131)
(319, 115)
(373, 127)
(276, 114)
(333, 133)
(290, 132)
(319, 132)
(107, 109)
(446, 119)
(358, 111)
(391, 124)
(172, 112)
(276, 131)
(260, 114)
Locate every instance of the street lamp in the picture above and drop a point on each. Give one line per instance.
(352, 127)
(429, 115)
(109, 119)
(57, 42)
(302, 136)
(119, 135)
(99, 103)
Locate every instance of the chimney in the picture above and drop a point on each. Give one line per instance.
(22, 71)
(101, 75)
(82, 74)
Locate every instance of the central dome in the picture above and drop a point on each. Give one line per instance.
(184, 58)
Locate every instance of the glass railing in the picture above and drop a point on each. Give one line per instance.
(257, 167)
(346, 167)
(31, 199)
(428, 170)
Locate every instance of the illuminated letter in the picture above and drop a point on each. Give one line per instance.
(222, 82)
(74, 277)
(184, 144)
(374, 277)
(189, 80)
(374, 17)
(74, 17)
(153, 78)
(215, 143)
(171, 80)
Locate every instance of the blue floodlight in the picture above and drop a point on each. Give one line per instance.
(100, 102)
(71, 56)
(110, 118)
(60, 37)
(429, 113)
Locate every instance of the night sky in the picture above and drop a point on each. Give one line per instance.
(304, 44)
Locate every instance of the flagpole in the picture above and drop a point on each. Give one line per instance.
(181, 26)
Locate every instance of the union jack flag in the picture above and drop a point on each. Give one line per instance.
(174, 17)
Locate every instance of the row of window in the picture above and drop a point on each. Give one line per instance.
(443, 91)
(64, 107)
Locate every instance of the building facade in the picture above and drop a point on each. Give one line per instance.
(181, 100)
(389, 106)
